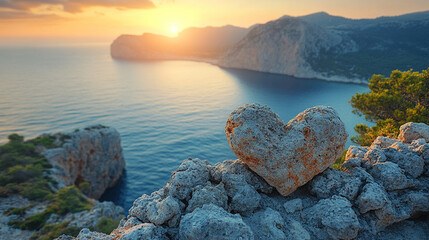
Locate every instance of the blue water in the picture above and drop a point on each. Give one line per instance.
(165, 111)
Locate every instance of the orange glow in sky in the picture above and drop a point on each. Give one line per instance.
(105, 20)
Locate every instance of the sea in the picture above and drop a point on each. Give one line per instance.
(165, 111)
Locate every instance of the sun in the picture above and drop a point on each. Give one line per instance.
(174, 29)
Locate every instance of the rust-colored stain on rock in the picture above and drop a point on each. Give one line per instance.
(286, 155)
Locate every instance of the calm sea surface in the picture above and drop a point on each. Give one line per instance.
(165, 111)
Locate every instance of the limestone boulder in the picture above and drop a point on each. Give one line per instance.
(286, 156)
(413, 131)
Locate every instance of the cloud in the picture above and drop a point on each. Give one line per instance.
(11, 15)
(75, 6)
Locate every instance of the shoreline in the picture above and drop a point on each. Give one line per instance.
(214, 62)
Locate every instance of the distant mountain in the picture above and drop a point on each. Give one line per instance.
(318, 45)
(208, 42)
(323, 19)
(334, 48)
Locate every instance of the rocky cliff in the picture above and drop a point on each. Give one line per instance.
(92, 155)
(89, 159)
(334, 48)
(281, 46)
(381, 192)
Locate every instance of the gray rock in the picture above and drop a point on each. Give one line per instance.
(423, 152)
(286, 156)
(190, 174)
(383, 142)
(390, 175)
(142, 231)
(208, 195)
(244, 198)
(213, 222)
(408, 160)
(86, 234)
(405, 230)
(93, 155)
(402, 207)
(228, 167)
(297, 231)
(372, 157)
(139, 208)
(352, 163)
(333, 182)
(159, 212)
(268, 224)
(336, 215)
(88, 219)
(293, 205)
(356, 152)
(413, 131)
(373, 197)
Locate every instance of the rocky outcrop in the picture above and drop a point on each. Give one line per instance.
(330, 47)
(378, 196)
(281, 46)
(286, 156)
(92, 155)
(411, 131)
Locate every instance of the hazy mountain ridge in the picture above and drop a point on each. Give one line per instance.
(208, 42)
(335, 48)
(318, 45)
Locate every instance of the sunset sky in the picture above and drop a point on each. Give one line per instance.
(103, 20)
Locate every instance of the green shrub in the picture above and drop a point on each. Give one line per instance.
(16, 211)
(70, 199)
(52, 231)
(85, 187)
(34, 222)
(340, 161)
(39, 191)
(19, 173)
(106, 225)
(22, 168)
(15, 138)
(46, 141)
(392, 102)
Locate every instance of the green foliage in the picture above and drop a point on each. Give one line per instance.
(85, 187)
(46, 141)
(67, 200)
(15, 138)
(23, 171)
(18, 211)
(22, 168)
(52, 231)
(70, 199)
(340, 161)
(106, 225)
(392, 102)
(34, 222)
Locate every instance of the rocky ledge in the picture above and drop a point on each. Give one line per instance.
(381, 191)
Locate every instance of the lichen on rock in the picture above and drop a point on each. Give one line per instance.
(286, 156)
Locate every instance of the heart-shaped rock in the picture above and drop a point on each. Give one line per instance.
(286, 156)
